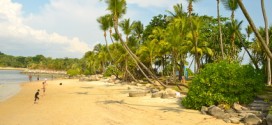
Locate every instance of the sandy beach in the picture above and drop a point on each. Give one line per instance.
(94, 103)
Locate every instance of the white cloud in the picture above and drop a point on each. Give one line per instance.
(64, 28)
(21, 39)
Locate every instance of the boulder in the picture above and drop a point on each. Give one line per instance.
(156, 94)
(252, 119)
(269, 119)
(154, 90)
(235, 120)
(216, 112)
(227, 120)
(166, 95)
(170, 91)
(239, 108)
(204, 110)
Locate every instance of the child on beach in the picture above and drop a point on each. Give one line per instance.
(36, 97)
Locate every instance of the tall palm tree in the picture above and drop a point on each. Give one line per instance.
(138, 29)
(118, 9)
(234, 28)
(190, 6)
(126, 26)
(178, 11)
(255, 30)
(267, 42)
(104, 25)
(220, 29)
(190, 10)
(231, 5)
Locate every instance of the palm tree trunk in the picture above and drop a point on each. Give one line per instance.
(267, 42)
(220, 29)
(174, 67)
(250, 56)
(252, 25)
(105, 37)
(133, 56)
(131, 75)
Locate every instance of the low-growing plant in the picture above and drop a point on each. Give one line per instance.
(73, 72)
(112, 70)
(224, 83)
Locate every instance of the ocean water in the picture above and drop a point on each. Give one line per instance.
(10, 83)
(12, 77)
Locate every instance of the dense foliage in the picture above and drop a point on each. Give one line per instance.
(224, 83)
(38, 62)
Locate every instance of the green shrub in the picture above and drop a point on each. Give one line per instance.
(111, 70)
(224, 83)
(73, 72)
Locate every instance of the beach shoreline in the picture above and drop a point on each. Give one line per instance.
(12, 68)
(77, 102)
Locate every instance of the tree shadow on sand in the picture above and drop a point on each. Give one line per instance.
(87, 87)
(178, 109)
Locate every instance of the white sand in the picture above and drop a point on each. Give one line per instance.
(95, 103)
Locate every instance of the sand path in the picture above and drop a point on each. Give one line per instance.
(94, 103)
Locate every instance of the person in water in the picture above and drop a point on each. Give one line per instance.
(36, 97)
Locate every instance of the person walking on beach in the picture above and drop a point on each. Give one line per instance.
(38, 77)
(43, 87)
(36, 97)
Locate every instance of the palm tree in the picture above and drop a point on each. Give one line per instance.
(267, 42)
(190, 10)
(104, 25)
(178, 11)
(176, 32)
(118, 9)
(231, 5)
(220, 29)
(248, 31)
(190, 6)
(138, 29)
(255, 30)
(234, 28)
(126, 26)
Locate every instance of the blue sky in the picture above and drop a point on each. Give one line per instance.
(68, 28)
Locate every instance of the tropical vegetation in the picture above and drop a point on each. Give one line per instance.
(159, 52)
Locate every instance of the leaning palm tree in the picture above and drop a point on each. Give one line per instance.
(118, 9)
(267, 42)
(255, 30)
